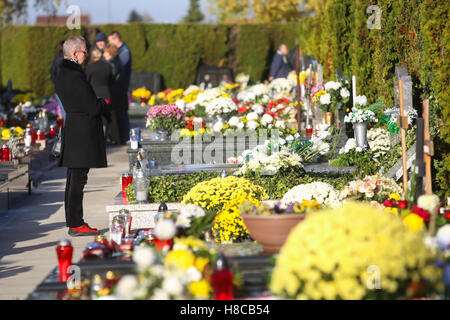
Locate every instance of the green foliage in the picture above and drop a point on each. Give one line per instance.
(27, 54)
(194, 13)
(172, 188)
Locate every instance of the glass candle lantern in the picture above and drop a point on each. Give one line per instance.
(64, 252)
(141, 184)
(128, 219)
(222, 280)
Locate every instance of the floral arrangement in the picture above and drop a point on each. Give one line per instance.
(169, 117)
(355, 241)
(221, 107)
(389, 117)
(379, 142)
(359, 116)
(265, 209)
(280, 87)
(333, 98)
(225, 195)
(360, 101)
(242, 79)
(323, 192)
(371, 188)
(207, 96)
(12, 132)
(258, 161)
(182, 274)
(141, 94)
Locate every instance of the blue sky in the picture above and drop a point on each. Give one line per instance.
(162, 11)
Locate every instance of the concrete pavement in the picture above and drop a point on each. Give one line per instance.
(28, 240)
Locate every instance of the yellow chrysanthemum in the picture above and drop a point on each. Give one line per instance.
(336, 254)
(182, 259)
(226, 195)
(200, 289)
(6, 134)
(395, 196)
(414, 222)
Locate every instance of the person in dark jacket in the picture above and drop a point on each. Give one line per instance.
(126, 63)
(280, 67)
(54, 70)
(100, 75)
(100, 41)
(111, 56)
(83, 141)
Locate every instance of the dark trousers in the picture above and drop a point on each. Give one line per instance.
(73, 203)
(124, 124)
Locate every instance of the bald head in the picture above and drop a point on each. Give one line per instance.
(283, 49)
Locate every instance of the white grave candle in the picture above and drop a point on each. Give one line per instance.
(302, 87)
(354, 89)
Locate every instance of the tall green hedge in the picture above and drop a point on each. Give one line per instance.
(414, 33)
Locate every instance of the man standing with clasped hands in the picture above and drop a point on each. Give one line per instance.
(83, 140)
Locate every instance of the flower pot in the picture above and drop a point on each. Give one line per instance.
(360, 130)
(271, 231)
(159, 134)
(328, 118)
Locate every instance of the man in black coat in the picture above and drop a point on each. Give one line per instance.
(83, 141)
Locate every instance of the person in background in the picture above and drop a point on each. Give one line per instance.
(54, 71)
(100, 75)
(280, 67)
(125, 76)
(111, 56)
(83, 140)
(100, 41)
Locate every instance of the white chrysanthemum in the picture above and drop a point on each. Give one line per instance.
(126, 287)
(361, 100)
(220, 106)
(160, 294)
(144, 257)
(188, 212)
(323, 192)
(181, 104)
(428, 202)
(345, 93)
(325, 99)
(332, 85)
(172, 286)
(234, 121)
(165, 229)
(193, 275)
(252, 116)
(266, 119)
(443, 237)
(252, 125)
(259, 109)
(280, 124)
(218, 126)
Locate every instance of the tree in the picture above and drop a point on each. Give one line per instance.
(135, 17)
(12, 9)
(194, 15)
(257, 10)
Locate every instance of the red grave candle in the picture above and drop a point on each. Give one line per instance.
(64, 252)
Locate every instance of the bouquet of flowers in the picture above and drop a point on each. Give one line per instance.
(280, 87)
(371, 188)
(168, 117)
(224, 196)
(323, 192)
(333, 254)
(333, 98)
(258, 161)
(141, 95)
(359, 116)
(221, 107)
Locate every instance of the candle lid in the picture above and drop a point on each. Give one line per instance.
(97, 279)
(100, 238)
(64, 243)
(111, 275)
(124, 211)
(221, 262)
(162, 207)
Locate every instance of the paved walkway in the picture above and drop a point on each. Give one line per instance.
(28, 240)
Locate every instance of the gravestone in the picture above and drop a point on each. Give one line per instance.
(150, 80)
(339, 74)
(407, 93)
(396, 172)
(319, 74)
(307, 60)
(213, 76)
(400, 71)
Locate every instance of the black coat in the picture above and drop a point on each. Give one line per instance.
(83, 140)
(56, 65)
(100, 76)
